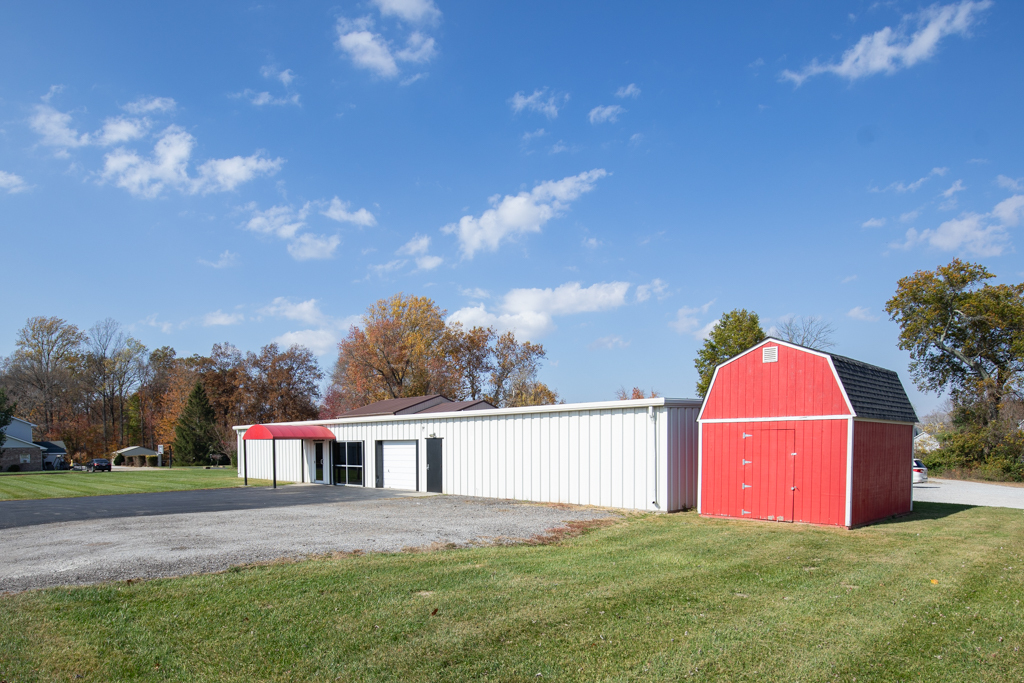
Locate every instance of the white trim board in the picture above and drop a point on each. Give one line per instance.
(789, 418)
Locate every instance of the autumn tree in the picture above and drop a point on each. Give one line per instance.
(279, 386)
(735, 332)
(7, 408)
(513, 378)
(195, 434)
(964, 335)
(44, 369)
(637, 393)
(811, 331)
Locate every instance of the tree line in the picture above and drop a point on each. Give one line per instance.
(965, 337)
(101, 389)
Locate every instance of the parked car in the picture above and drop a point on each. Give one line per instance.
(920, 472)
(98, 465)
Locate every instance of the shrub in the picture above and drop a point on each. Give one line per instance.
(119, 459)
(151, 460)
(14, 468)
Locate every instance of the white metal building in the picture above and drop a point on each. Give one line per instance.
(639, 454)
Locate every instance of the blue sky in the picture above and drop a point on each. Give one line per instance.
(605, 178)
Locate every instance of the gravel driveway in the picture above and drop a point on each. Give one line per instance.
(161, 545)
(969, 493)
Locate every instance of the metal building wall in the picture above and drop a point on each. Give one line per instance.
(632, 454)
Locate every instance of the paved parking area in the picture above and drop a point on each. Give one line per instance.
(969, 493)
(154, 535)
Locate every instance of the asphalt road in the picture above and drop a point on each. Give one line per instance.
(969, 493)
(154, 535)
(18, 513)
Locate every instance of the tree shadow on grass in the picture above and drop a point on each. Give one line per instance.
(926, 511)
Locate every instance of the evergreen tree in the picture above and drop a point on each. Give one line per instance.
(735, 332)
(195, 434)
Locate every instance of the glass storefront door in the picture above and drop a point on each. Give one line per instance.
(347, 463)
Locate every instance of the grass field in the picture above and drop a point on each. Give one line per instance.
(931, 597)
(69, 484)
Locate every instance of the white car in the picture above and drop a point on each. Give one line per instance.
(920, 472)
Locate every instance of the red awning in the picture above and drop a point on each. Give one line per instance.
(288, 432)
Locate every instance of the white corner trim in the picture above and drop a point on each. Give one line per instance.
(849, 473)
(839, 383)
(700, 462)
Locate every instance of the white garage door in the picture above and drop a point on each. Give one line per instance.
(400, 465)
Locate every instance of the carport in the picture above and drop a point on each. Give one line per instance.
(274, 432)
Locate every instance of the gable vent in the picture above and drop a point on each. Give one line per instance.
(770, 354)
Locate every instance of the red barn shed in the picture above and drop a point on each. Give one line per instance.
(791, 434)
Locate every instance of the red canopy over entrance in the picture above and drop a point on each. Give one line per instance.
(263, 432)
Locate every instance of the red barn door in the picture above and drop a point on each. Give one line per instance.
(748, 471)
(772, 472)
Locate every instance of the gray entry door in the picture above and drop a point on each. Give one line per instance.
(434, 472)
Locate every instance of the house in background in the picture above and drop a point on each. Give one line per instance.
(135, 456)
(19, 449)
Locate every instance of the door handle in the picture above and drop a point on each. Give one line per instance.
(746, 462)
(792, 488)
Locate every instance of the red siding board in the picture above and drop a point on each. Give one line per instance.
(882, 454)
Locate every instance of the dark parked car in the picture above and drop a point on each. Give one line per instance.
(98, 465)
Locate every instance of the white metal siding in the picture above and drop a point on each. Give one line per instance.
(638, 456)
(400, 465)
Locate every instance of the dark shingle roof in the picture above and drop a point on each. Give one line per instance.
(874, 392)
(53, 447)
(397, 406)
(456, 406)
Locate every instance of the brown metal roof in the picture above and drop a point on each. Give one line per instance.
(457, 406)
(398, 406)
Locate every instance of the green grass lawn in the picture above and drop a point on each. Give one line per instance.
(931, 597)
(68, 484)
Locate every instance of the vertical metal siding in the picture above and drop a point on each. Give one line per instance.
(882, 454)
(600, 457)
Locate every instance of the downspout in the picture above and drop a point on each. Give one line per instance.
(654, 430)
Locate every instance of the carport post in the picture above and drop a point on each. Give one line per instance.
(245, 461)
(273, 455)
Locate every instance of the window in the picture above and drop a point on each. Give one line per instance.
(347, 462)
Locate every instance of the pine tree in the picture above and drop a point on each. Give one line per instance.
(195, 434)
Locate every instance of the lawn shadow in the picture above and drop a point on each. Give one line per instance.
(923, 511)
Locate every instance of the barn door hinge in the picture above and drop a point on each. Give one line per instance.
(746, 486)
(746, 436)
(744, 512)
(746, 462)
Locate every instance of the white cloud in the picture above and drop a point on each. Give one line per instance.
(861, 313)
(226, 260)
(366, 49)
(610, 342)
(1015, 185)
(121, 129)
(419, 48)
(636, 138)
(283, 221)
(320, 342)
(260, 99)
(591, 242)
(559, 147)
(150, 104)
(537, 102)
(338, 211)
(168, 167)
(902, 187)
(657, 286)
(628, 91)
(889, 50)
(12, 183)
(220, 318)
(1009, 210)
(527, 136)
(52, 92)
(224, 175)
(417, 247)
(606, 114)
(910, 216)
(307, 246)
(873, 223)
(304, 311)
(55, 128)
(848, 278)
(475, 293)
(523, 213)
(531, 312)
(412, 79)
(688, 321)
(414, 11)
(165, 327)
(958, 186)
(286, 77)
(385, 268)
